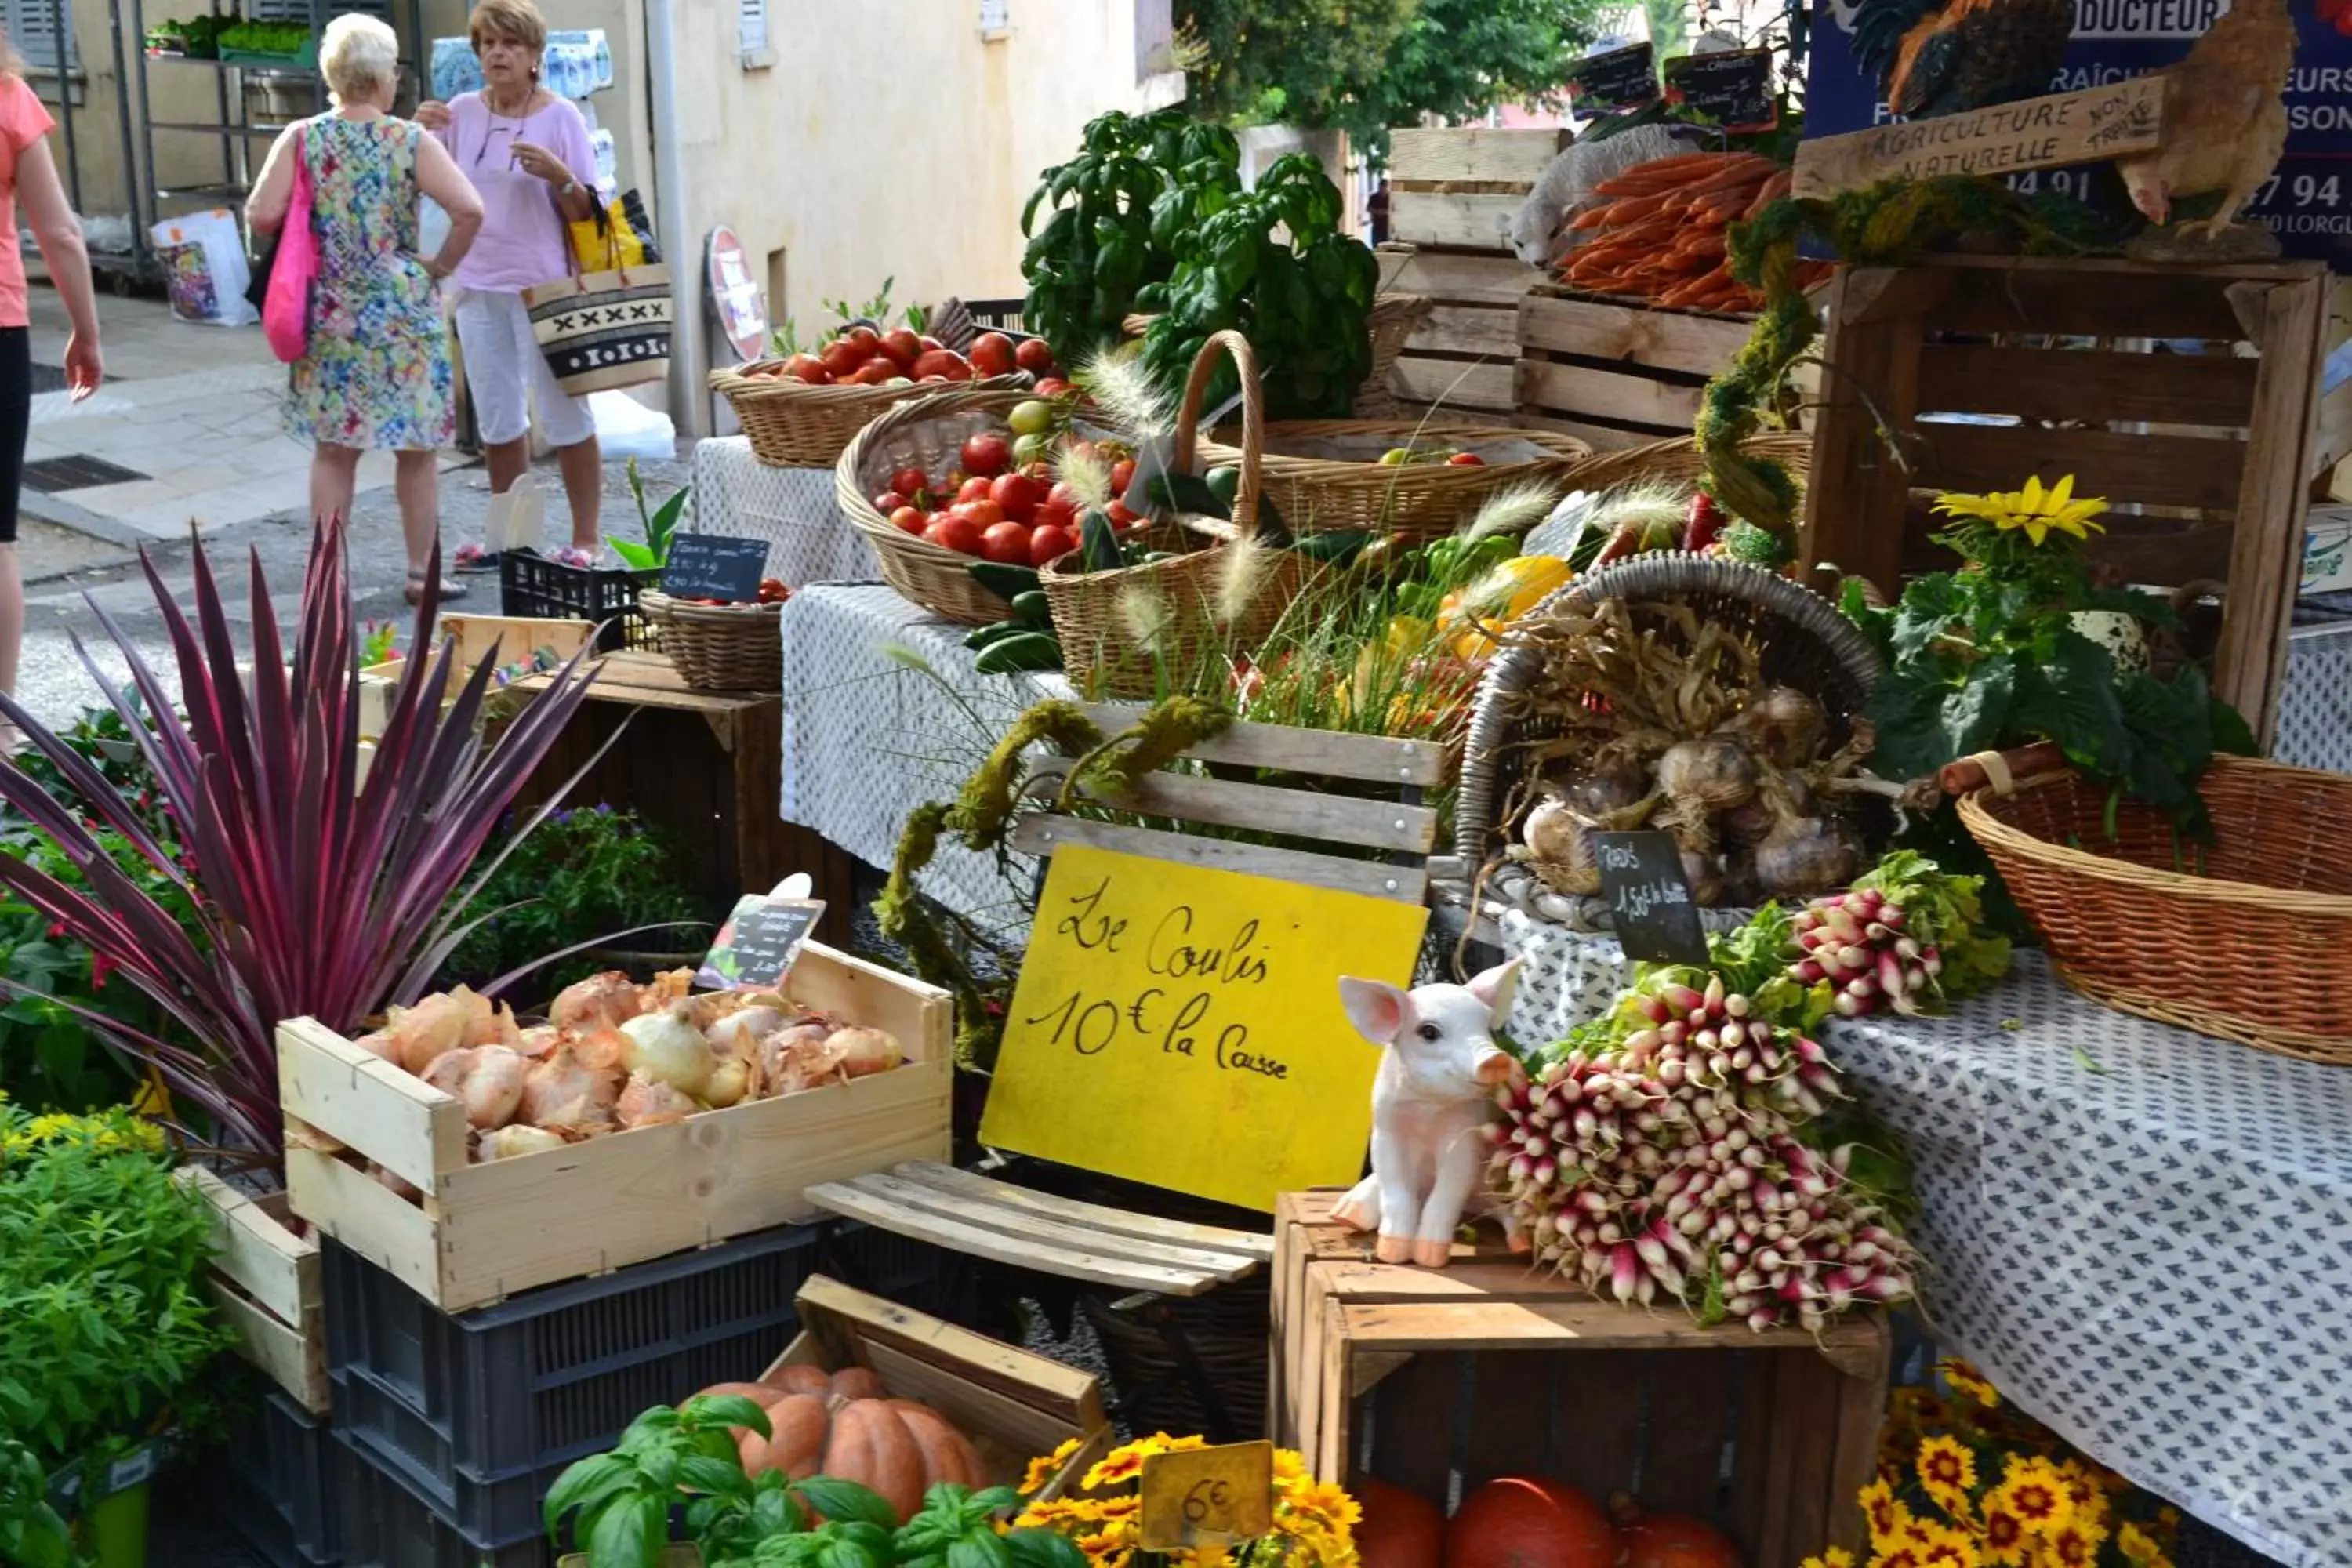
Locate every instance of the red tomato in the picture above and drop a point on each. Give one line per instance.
(1006, 543)
(976, 489)
(986, 453)
(1041, 470)
(1123, 514)
(907, 519)
(1061, 495)
(1086, 452)
(841, 359)
(910, 479)
(867, 341)
(953, 533)
(991, 355)
(942, 363)
(1054, 386)
(1018, 494)
(903, 346)
(1467, 460)
(1046, 542)
(983, 513)
(1034, 356)
(929, 342)
(1122, 475)
(873, 373)
(889, 502)
(1051, 514)
(807, 368)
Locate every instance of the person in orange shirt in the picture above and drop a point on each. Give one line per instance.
(28, 170)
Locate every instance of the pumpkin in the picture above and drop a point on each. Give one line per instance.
(1668, 1539)
(1399, 1530)
(1517, 1522)
(845, 1424)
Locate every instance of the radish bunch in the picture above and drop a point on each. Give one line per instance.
(1668, 1164)
(1857, 943)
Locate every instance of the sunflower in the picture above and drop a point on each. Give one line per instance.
(1949, 1473)
(1045, 1469)
(1967, 1382)
(1887, 1515)
(2037, 511)
(2035, 1493)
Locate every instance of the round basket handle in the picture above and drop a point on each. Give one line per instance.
(2001, 770)
(1188, 420)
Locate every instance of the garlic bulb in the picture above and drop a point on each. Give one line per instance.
(1559, 844)
(649, 1102)
(1703, 875)
(664, 1046)
(506, 1142)
(1780, 724)
(1709, 775)
(1807, 856)
(561, 1079)
(599, 1002)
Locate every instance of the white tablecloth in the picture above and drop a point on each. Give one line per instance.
(736, 494)
(2143, 1237)
(2315, 720)
(869, 736)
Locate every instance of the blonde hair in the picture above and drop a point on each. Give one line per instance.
(517, 19)
(359, 56)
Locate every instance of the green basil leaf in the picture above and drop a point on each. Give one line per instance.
(586, 1484)
(631, 1533)
(721, 1477)
(1044, 1548)
(981, 1549)
(725, 1410)
(847, 1501)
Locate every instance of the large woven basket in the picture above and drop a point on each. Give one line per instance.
(720, 648)
(1800, 638)
(792, 424)
(1420, 501)
(925, 434)
(1679, 458)
(2238, 938)
(1096, 612)
(1392, 318)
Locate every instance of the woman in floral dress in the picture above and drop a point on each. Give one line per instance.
(376, 374)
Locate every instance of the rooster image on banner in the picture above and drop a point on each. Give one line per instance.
(1946, 57)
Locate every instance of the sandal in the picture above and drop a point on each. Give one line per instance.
(472, 557)
(415, 592)
(573, 556)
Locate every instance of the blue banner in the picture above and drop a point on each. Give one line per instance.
(2307, 203)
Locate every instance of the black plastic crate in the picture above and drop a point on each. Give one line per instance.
(482, 1508)
(272, 1483)
(387, 1523)
(530, 584)
(999, 316)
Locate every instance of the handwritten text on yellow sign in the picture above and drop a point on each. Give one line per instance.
(1207, 1494)
(1182, 1027)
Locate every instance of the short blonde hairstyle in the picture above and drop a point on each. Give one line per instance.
(359, 56)
(517, 19)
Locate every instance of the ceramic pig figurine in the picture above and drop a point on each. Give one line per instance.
(1432, 1099)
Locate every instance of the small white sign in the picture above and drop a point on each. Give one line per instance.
(995, 16)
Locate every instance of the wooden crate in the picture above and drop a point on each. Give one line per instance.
(1462, 359)
(1439, 1380)
(2213, 452)
(265, 1281)
(1014, 1404)
(485, 1231)
(1617, 373)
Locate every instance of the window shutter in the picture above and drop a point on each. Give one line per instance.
(752, 26)
(32, 29)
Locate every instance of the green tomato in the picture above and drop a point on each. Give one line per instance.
(1395, 457)
(1035, 417)
(1028, 450)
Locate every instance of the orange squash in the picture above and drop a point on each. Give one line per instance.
(846, 1426)
(1668, 1539)
(1520, 1522)
(1400, 1529)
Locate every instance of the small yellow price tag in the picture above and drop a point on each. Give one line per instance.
(1203, 1500)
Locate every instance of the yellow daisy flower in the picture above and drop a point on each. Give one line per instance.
(2035, 1493)
(1834, 1557)
(2003, 1536)
(1947, 1471)
(2076, 1545)
(1966, 1381)
(2133, 1542)
(2039, 512)
(1045, 1469)
(2082, 1487)
(1940, 1546)
(1886, 1513)
(1900, 1554)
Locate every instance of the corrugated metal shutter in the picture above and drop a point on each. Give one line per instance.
(32, 29)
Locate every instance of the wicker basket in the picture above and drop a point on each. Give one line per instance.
(1679, 458)
(720, 648)
(1090, 609)
(1421, 501)
(792, 425)
(2234, 939)
(1802, 639)
(925, 434)
(1392, 318)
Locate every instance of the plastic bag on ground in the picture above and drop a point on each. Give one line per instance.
(627, 428)
(205, 269)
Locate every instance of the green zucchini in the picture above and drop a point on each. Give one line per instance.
(1005, 582)
(1027, 650)
(1030, 610)
(980, 637)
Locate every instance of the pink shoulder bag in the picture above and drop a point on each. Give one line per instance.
(293, 267)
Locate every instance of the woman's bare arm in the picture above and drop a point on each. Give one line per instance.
(63, 249)
(273, 193)
(438, 176)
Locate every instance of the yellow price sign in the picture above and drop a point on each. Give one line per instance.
(1181, 1027)
(1203, 1500)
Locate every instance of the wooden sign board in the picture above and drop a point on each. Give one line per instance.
(2050, 133)
(1196, 1497)
(1180, 1025)
(1650, 904)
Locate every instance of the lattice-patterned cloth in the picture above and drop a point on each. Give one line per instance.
(867, 738)
(795, 508)
(2144, 1237)
(2314, 719)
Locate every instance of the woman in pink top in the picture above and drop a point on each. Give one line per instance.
(526, 152)
(27, 170)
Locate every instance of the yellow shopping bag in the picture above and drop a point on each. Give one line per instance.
(605, 240)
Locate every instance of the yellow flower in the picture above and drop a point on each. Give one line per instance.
(2002, 1535)
(2076, 1545)
(2085, 1490)
(2038, 511)
(1124, 1464)
(1949, 1472)
(1042, 1470)
(43, 1127)
(1965, 1380)
(1940, 1546)
(1887, 1515)
(2133, 1542)
(1052, 1513)
(2035, 1493)
(1900, 1554)
(1834, 1557)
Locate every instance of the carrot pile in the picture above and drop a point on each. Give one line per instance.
(1661, 232)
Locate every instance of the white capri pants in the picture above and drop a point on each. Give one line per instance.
(506, 373)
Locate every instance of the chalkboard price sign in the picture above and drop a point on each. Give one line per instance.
(757, 945)
(1733, 88)
(1649, 900)
(1621, 78)
(715, 566)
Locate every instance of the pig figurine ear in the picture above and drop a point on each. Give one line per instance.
(1495, 988)
(1379, 1011)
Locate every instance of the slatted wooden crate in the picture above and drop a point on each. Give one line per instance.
(2210, 453)
(1617, 373)
(1440, 1380)
(265, 1281)
(486, 1231)
(1452, 192)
